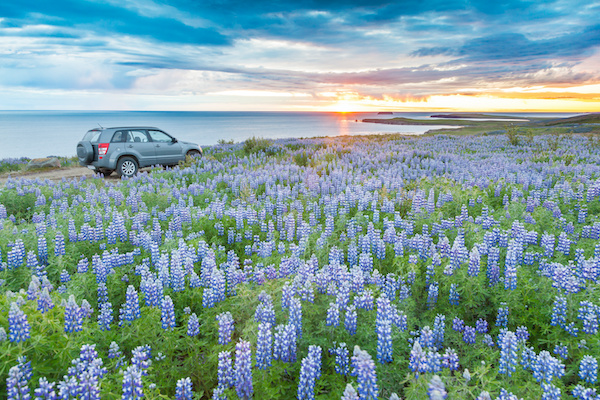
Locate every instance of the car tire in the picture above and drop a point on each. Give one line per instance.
(85, 152)
(193, 153)
(106, 172)
(127, 166)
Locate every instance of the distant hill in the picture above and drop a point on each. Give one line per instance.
(593, 118)
(474, 115)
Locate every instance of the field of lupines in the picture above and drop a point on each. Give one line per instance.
(355, 268)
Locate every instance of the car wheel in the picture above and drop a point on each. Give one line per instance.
(127, 166)
(106, 172)
(85, 152)
(193, 154)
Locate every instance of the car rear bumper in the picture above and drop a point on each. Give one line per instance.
(105, 163)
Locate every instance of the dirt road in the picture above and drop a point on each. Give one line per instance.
(54, 175)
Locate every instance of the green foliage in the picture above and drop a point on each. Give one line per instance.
(512, 132)
(256, 145)
(18, 204)
(301, 159)
(51, 350)
(554, 142)
(223, 141)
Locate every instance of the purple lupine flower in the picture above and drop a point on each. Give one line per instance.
(264, 344)
(510, 271)
(350, 320)
(68, 388)
(436, 389)
(167, 313)
(132, 384)
(522, 334)
(183, 390)
(588, 369)
(454, 297)
(350, 393)
(481, 326)
(469, 335)
(18, 379)
(342, 356)
(583, 393)
(64, 276)
(226, 327)
(427, 338)
(86, 309)
(140, 357)
(225, 373)
(333, 315)
(113, 350)
(45, 390)
(219, 394)
(547, 243)
(588, 313)
(562, 351)
(364, 369)
(102, 292)
(418, 359)
(504, 395)
(265, 313)
(474, 262)
(193, 325)
(458, 324)
(243, 370)
(130, 311)
(545, 367)
(45, 301)
(309, 373)
(384, 341)
(450, 360)
(18, 326)
(508, 353)
(564, 244)
(550, 392)
(59, 245)
(502, 317)
(559, 311)
(105, 316)
(439, 331)
(88, 386)
(432, 295)
(434, 362)
(295, 317)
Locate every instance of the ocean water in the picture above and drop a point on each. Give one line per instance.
(44, 133)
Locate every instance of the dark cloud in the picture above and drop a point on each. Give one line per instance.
(106, 19)
(511, 46)
(478, 43)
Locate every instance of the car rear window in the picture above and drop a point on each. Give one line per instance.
(119, 137)
(92, 136)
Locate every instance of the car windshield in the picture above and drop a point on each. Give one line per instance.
(92, 136)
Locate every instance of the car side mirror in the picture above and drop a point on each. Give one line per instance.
(174, 140)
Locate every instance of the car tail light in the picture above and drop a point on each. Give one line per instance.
(103, 148)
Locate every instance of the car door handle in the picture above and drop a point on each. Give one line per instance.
(130, 146)
(158, 145)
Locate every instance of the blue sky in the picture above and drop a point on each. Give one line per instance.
(302, 55)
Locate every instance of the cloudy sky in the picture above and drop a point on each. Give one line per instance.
(301, 55)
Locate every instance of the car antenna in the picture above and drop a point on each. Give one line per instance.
(101, 127)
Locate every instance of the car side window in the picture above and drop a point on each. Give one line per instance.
(137, 136)
(158, 136)
(119, 137)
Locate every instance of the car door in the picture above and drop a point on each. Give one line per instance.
(139, 144)
(168, 150)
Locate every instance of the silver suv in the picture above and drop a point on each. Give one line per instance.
(127, 149)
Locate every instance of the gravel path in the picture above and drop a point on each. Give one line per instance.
(54, 175)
